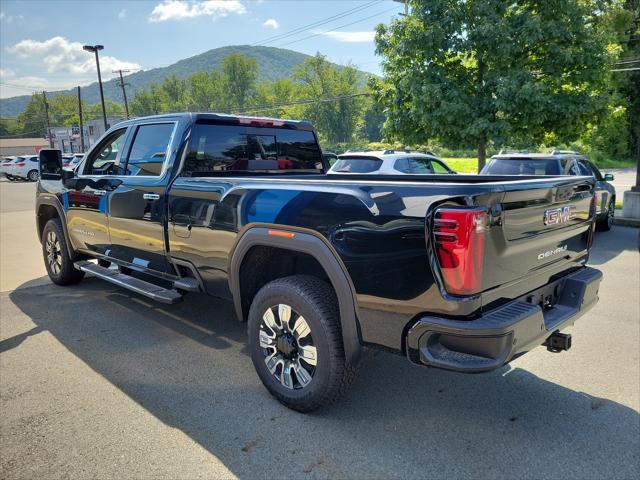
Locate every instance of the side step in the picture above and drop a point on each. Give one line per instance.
(147, 289)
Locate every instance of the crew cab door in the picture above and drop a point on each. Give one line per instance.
(86, 205)
(137, 207)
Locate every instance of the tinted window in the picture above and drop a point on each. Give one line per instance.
(522, 166)
(223, 148)
(103, 159)
(149, 149)
(357, 165)
(419, 166)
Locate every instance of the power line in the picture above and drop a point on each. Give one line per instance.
(318, 23)
(334, 29)
(624, 69)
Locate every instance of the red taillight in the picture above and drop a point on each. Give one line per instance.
(459, 241)
(20, 164)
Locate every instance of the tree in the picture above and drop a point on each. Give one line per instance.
(148, 101)
(240, 75)
(33, 117)
(478, 72)
(335, 120)
(205, 92)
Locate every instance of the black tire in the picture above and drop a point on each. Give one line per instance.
(606, 223)
(33, 175)
(56, 255)
(315, 301)
(11, 178)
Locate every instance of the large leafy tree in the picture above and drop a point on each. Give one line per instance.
(319, 79)
(240, 76)
(477, 72)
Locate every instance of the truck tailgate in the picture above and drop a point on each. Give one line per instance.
(545, 229)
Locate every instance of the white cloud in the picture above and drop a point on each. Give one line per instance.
(10, 18)
(272, 23)
(122, 13)
(350, 37)
(6, 72)
(180, 9)
(60, 55)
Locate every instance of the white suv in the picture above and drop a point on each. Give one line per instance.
(25, 167)
(390, 162)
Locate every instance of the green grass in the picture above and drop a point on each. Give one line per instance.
(610, 163)
(462, 164)
(470, 164)
(618, 205)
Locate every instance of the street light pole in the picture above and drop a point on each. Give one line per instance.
(95, 49)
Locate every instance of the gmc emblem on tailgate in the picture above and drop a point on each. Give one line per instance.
(554, 216)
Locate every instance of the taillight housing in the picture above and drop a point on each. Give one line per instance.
(458, 235)
(20, 164)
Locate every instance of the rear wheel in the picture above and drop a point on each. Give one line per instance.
(56, 256)
(33, 175)
(606, 223)
(296, 342)
(11, 178)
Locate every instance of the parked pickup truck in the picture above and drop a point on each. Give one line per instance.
(458, 272)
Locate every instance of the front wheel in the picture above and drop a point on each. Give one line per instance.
(296, 342)
(33, 176)
(56, 255)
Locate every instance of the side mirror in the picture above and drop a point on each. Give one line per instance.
(608, 177)
(50, 160)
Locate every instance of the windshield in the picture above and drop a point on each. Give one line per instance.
(522, 166)
(357, 165)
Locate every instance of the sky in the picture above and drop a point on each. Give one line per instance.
(41, 41)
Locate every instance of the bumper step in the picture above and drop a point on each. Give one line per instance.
(136, 285)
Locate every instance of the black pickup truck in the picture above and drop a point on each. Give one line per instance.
(459, 272)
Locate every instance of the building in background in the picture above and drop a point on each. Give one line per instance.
(67, 139)
(20, 146)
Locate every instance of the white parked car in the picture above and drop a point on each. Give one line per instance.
(25, 167)
(390, 162)
(5, 166)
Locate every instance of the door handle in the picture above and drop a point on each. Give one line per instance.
(99, 193)
(151, 196)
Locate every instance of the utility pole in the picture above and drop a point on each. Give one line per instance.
(95, 49)
(124, 91)
(81, 123)
(46, 114)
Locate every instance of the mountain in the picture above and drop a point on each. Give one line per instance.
(273, 63)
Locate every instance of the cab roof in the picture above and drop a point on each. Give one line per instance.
(223, 118)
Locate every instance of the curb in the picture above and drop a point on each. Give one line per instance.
(627, 222)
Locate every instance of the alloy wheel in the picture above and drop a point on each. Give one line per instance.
(34, 175)
(287, 346)
(54, 252)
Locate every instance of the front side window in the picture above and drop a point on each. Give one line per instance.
(149, 149)
(218, 149)
(420, 166)
(103, 160)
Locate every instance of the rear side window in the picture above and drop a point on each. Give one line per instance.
(149, 149)
(357, 165)
(217, 149)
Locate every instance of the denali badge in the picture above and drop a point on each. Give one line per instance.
(554, 216)
(544, 255)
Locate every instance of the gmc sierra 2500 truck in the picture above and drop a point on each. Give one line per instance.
(460, 272)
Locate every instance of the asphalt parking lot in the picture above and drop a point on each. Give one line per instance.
(98, 382)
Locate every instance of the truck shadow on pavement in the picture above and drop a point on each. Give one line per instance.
(608, 245)
(187, 365)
